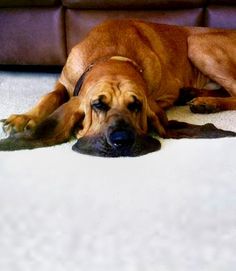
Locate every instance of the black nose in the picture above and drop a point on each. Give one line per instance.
(122, 139)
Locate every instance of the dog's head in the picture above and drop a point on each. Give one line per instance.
(118, 115)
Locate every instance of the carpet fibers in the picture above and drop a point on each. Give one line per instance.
(173, 210)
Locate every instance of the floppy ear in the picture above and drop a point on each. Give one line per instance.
(176, 129)
(55, 129)
(157, 119)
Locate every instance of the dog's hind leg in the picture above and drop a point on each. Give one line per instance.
(206, 100)
(214, 54)
(206, 105)
(46, 105)
(189, 93)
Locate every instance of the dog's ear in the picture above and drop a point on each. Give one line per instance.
(60, 124)
(55, 129)
(157, 119)
(176, 129)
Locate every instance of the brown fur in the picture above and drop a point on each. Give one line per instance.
(170, 57)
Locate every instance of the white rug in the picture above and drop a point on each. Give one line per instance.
(173, 210)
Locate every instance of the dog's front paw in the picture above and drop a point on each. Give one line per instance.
(18, 123)
(203, 105)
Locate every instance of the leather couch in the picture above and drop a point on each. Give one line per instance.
(42, 32)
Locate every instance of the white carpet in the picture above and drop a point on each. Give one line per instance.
(173, 210)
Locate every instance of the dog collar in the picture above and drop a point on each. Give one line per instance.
(79, 83)
(123, 58)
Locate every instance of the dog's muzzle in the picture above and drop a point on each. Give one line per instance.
(121, 135)
(118, 140)
(121, 139)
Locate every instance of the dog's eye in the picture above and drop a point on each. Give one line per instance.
(99, 105)
(135, 106)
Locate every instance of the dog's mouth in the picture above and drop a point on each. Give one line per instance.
(122, 145)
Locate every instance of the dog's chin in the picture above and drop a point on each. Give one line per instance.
(98, 146)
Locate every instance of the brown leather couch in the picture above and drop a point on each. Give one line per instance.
(42, 32)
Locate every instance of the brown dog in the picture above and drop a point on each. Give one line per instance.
(118, 82)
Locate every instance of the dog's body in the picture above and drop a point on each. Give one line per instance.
(130, 72)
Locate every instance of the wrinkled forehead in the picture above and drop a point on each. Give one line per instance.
(111, 91)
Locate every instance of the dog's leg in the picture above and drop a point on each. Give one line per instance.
(55, 129)
(29, 120)
(206, 105)
(206, 100)
(189, 93)
(214, 54)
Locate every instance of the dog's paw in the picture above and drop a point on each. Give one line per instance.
(204, 105)
(18, 123)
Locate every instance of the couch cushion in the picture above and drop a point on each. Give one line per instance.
(132, 4)
(28, 3)
(78, 22)
(222, 2)
(221, 17)
(32, 36)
